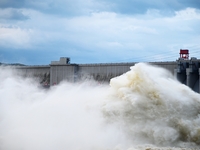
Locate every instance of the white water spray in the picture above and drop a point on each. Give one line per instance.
(143, 108)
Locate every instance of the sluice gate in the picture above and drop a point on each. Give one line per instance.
(188, 72)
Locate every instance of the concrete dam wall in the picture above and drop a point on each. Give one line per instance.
(186, 71)
(40, 73)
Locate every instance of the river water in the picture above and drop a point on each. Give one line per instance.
(143, 109)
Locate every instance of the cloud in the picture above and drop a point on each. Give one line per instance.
(92, 29)
(188, 14)
(70, 8)
(65, 8)
(12, 14)
(167, 7)
(12, 3)
(14, 37)
(104, 33)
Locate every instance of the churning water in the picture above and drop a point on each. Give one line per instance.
(143, 109)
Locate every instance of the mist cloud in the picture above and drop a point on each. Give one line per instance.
(135, 112)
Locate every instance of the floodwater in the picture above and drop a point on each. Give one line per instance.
(143, 109)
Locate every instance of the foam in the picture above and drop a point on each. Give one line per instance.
(145, 108)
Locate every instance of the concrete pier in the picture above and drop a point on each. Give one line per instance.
(180, 71)
(199, 81)
(193, 74)
(187, 72)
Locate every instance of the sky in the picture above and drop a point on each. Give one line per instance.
(98, 31)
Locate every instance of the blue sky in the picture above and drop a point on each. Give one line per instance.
(98, 31)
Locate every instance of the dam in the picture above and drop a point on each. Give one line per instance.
(186, 70)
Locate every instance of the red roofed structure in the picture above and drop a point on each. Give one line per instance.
(184, 53)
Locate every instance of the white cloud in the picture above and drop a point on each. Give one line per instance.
(15, 37)
(104, 32)
(12, 14)
(188, 14)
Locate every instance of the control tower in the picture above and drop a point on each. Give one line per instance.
(184, 53)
